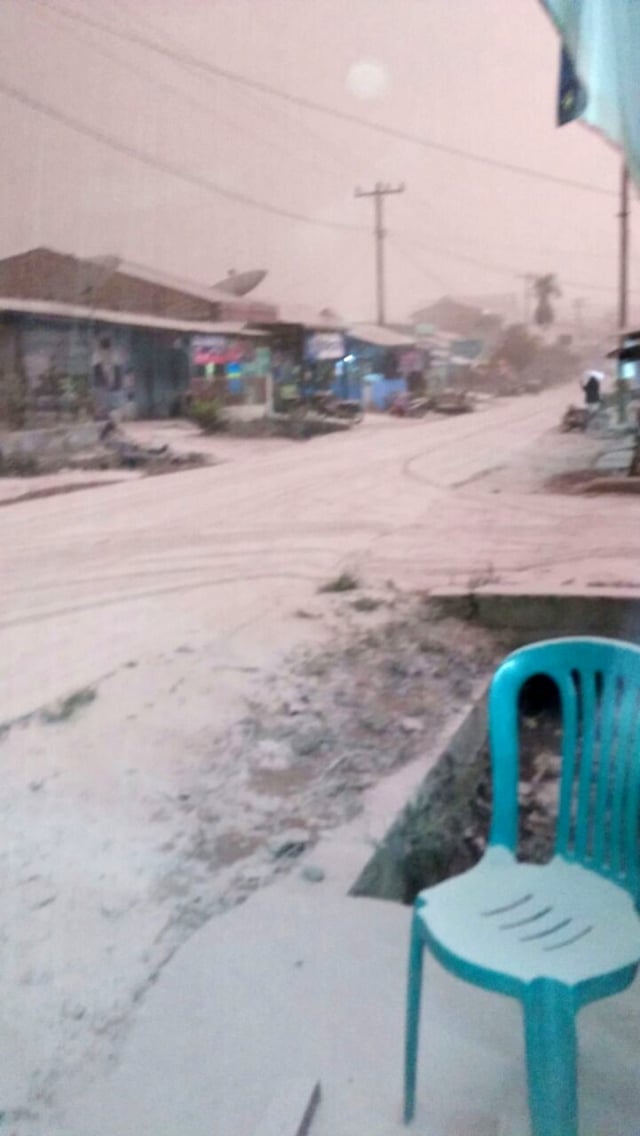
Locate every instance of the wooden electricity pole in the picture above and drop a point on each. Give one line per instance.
(378, 193)
(623, 291)
(623, 279)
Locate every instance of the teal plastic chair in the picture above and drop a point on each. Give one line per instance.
(560, 935)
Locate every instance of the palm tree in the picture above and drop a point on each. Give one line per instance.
(545, 288)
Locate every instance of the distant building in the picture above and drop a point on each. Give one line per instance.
(458, 335)
(457, 318)
(502, 304)
(113, 334)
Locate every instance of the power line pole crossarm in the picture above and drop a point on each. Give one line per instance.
(378, 193)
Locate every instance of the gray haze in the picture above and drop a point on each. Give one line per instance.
(476, 74)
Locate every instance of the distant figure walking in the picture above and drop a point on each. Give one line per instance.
(592, 385)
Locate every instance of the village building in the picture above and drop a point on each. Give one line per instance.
(108, 334)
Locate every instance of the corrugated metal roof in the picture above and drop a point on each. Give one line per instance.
(378, 336)
(162, 279)
(45, 274)
(130, 319)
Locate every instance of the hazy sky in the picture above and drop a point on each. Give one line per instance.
(480, 75)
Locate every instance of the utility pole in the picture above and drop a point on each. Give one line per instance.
(623, 281)
(378, 193)
(623, 287)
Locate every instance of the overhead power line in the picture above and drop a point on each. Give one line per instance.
(339, 153)
(433, 205)
(185, 58)
(416, 264)
(492, 266)
(165, 166)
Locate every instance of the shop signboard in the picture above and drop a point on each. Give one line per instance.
(325, 346)
(209, 350)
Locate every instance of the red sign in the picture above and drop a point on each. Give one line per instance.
(212, 349)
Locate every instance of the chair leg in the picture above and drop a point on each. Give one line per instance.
(414, 991)
(550, 1034)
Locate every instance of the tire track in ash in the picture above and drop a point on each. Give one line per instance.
(471, 504)
(273, 501)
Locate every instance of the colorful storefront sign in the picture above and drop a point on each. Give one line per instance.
(324, 346)
(212, 350)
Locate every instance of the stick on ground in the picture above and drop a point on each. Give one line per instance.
(292, 1109)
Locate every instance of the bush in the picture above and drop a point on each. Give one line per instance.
(207, 414)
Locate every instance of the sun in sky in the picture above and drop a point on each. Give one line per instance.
(368, 79)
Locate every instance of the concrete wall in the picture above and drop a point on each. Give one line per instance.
(108, 363)
(425, 838)
(534, 616)
(57, 441)
(420, 845)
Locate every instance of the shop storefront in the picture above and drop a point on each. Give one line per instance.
(304, 359)
(231, 368)
(378, 365)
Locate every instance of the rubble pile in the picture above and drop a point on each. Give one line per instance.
(324, 729)
(110, 449)
(444, 830)
(537, 796)
(118, 450)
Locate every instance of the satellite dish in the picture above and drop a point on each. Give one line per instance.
(239, 283)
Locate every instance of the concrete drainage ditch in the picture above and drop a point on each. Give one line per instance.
(423, 843)
(443, 828)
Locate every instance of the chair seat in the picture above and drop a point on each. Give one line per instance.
(518, 922)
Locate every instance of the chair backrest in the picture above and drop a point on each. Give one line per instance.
(598, 682)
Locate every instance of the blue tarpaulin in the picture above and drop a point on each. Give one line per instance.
(382, 391)
(600, 75)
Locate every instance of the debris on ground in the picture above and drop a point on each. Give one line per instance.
(68, 706)
(327, 728)
(575, 418)
(153, 458)
(296, 427)
(444, 831)
(540, 760)
(113, 449)
(345, 582)
(366, 603)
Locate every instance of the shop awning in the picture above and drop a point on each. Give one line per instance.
(629, 350)
(377, 336)
(51, 309)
